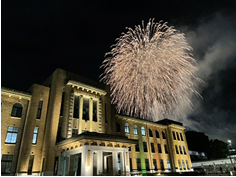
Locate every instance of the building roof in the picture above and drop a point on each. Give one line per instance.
(168, 122)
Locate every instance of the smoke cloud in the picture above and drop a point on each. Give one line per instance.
(214, 42)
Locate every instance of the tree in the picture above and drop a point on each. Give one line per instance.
(217, 149)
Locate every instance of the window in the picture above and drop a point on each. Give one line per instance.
(163, 135)
(174, 135)
(154, 164)
(177, 151)
(129, 148)
(74, 132)
(6, 164)
(181, 137)
(180, 149)
(143, 131)
(135, 130)
(180, 167)
(85, 109)
(137, 147)
(16, 110)
(147, 164)
(159, 148)
(94, 110)
(30, 167)
(152, 147)
(130, 162)
(76, 107)
(138, 164)
(157, 134)
(166, 150)
(162, 164)
(62, 103)
(184, 150)
(36, 129)
(11, 135)
(119, 165)
(117, 127)
(168, 164)
(126, 128)
(187, 164)
(177, 136)
(145, 147)
(183, 164)
(150, 133)
(39, 109)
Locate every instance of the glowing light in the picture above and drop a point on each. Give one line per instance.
(150, 67)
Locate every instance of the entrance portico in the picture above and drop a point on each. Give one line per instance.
(96, 157)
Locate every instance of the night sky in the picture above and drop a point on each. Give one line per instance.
(41, 36)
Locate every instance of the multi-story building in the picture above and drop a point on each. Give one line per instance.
(67, 126)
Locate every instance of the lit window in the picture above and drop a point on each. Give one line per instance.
(17, 110)
(168, 164)
(187, 164)
(163, 135)
(183, 164)
(157, 134)
(36, 129)
(135, 130)
(6, 164)
(180, 167)
(143, 131)
(11, 135)
(126, 128)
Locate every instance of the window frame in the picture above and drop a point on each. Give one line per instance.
(10, 133)
(17, 110)
(127, 128)
(6, 162)
(143, 133)
(39, 111)
(35, 133)
(135, 130)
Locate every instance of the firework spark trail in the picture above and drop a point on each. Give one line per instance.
(150, 65)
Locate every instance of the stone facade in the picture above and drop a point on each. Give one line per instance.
(67, 126)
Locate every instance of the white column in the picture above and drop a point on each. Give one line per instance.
(114, 162)
(99, 162)
(122, 163)
(126, 165)
(105, 164)
(83, 161)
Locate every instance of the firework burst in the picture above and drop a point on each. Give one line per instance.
(148, 65)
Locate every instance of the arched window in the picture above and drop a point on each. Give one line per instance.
(150, 133)
(16, 110)
(126, 128)
(163, 135)
(143, 131)
(157, 134)
(135, 130)
(117, 127)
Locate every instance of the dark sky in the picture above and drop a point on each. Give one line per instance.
(40, 36)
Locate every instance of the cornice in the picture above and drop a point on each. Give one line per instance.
(83, 86)
(17, 93)
(142, 121)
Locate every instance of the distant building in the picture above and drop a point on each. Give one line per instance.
(67, 126)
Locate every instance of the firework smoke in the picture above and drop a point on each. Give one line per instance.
(150, 68)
